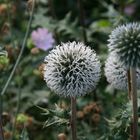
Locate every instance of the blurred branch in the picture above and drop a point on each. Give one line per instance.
(52, 10)
(82, 19)
(1, 129)
(51, 5)
(129, 84)
(21, 51)
(17, 111)
(134, 103)
(73, 118)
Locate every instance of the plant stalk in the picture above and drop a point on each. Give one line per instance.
(73, 118)
(53, 14)
(129, 97)
(1, 128)
(134, 103)
(129, 84)
(17, 111)
(21, 51)
(82, 19)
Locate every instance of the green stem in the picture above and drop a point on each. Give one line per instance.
(16, 114)
(73, 118)
(134, 103)
(21, 51)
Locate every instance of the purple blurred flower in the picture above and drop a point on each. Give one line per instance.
(130, 9)
(42, 38)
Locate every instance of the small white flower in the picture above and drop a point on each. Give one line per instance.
(72, 69)
(116, 73)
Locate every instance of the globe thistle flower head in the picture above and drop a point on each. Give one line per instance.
(72, 69)
(116, 73)
(125, 41)
(42, 39)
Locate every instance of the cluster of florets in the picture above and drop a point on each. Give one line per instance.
(124, 52)
(125, 41)
(116, 73)
(72, 69)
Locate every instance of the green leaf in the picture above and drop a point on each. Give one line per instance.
(101, 26)
(55, 121)
(68, 27)
(42, 20)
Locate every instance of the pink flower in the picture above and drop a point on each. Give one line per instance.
(42, 39)
(130, 9)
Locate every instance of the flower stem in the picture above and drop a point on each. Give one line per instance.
(53, 14)
(129, 84)
(17, 111)
(1, 129)
(21, 51)
(82, 19)
(73, 118)
(129, 97)
(134, 103)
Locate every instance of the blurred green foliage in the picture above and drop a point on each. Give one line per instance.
(62, 19)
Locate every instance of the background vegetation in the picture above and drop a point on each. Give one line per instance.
(27, 104)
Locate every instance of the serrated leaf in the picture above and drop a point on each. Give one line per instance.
(67, 27)
(42, 20)
(56, 121)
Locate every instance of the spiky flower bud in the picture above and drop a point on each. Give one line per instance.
(125, 41)
(116, 73)
(72, 69)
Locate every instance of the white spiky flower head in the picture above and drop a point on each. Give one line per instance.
(116, 72)
(125, 41)
(72, 69)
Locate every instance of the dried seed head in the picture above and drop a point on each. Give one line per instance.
(62, 136)
(80, 114)
(96, 118)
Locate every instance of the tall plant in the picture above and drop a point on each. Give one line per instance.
(72, 70)
(125, 42)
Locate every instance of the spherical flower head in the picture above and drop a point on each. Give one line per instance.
(116, 73)
(125, 41)
(72, 69)
(42, 39)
